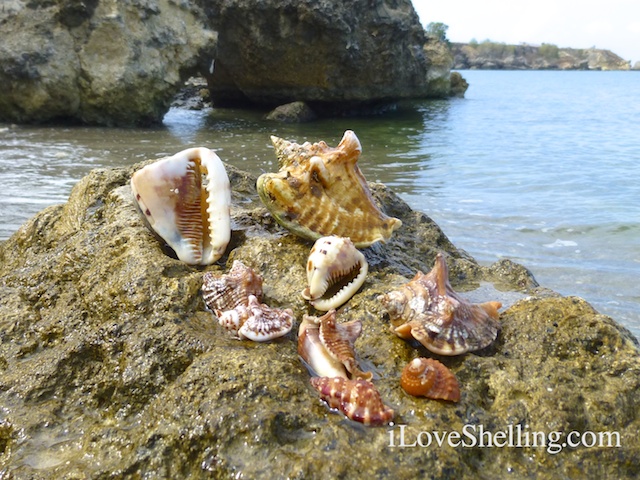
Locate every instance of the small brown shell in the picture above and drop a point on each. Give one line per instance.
(426, 377)
(226, 292)
(429, 310)
(256, 321)
(358, 399)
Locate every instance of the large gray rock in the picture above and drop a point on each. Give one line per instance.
(97, 62)
(104, 62)
(110, 366)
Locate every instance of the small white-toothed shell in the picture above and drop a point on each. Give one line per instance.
(336, 269)
(256, 321)
(194, 219)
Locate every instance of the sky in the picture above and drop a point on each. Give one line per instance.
(608, 24)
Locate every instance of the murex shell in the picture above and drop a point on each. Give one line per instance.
(336, 269)
(327, 346)
(235, 299)
(256, 321)
(192, 217)
(358, 399)
(226, 292)
(429, 310)
(320, 191)
(427, 377)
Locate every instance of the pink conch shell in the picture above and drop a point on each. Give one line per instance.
(192, 218)
(320, 191)
(327, 347)
(226, 292)
(434, 314)
(335, 272)
(358, 399)
(256, 321)
(426, 377)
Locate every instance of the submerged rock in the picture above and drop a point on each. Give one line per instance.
(111, 366)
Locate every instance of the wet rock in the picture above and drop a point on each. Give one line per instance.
(294, 112)
(107, 353)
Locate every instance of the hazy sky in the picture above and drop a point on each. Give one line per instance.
(612, 24)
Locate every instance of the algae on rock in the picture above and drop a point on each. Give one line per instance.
(110, 366)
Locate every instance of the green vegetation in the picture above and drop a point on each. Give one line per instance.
(549, 51)
(494, 49)
(437, 30)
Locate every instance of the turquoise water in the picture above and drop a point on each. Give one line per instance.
(539, 167)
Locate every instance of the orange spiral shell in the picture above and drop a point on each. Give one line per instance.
(426, 377)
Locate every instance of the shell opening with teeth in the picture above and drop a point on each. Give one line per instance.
(358, 399)
(327, 346)
(429, 310)
(320, 191)
(336, 269)
(192, 216)
(426, 377)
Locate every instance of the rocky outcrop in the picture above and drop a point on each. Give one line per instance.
(499, 56)
(97, 62)
(121, 63)
(110, 366)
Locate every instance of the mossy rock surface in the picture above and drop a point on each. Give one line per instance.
(111, 367)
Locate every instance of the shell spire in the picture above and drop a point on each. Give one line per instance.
(226, 292)
(358, 399)
(191, 216)
(320, 191)
(429, 310)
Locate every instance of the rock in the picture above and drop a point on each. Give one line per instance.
(636, 66)
(499, 56)
(121, 63)
(458, 85)
(294, 112)
(97, 62)
(111, 366)
(330, 52)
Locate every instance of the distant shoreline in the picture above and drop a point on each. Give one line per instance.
(488, 55)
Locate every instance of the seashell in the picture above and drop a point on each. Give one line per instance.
(426, 377)
(358, 399)
(192, 217)
(429, 310)
(226, 292)
(256, 321)
(327, 347)
(320, 191)
(336, 269)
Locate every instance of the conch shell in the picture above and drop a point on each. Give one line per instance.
(336, 269)
(358, 399)
(320, 191)
(426, 377)
(430, 311)
(256, 321)
(327, 347)
(192, 218)
(226, 292)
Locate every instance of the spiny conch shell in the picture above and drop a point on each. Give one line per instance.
(358, 399)
(320, 191)
(226, 292)
(336, 269)
(192, 218)
(426, 377)
(327, 347)
(439, 318)
(256, 321)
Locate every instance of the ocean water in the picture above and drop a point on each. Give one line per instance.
(539, 167)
